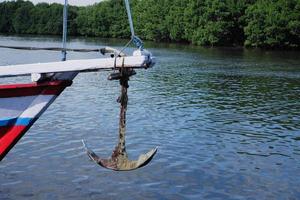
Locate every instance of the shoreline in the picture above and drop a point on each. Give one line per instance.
(163, 43)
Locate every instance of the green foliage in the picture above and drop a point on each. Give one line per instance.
(85, 21)
(192, 12)
(273, 24)
(175, 19)
(253, 23)
(106, 19)
(150, 19)
(7, 12)
(213, 24)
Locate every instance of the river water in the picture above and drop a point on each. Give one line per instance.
(226, 122)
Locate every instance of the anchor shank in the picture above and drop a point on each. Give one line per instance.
(120, 149)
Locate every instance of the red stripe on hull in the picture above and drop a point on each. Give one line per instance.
(32, 89)
(9, 138)
(3, 130)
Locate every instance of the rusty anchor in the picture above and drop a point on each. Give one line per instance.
(119, 159)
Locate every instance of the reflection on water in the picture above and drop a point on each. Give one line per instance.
(226, 122)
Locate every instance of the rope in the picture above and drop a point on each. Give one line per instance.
(126, 45)
(49, 49)
(119, 54)
(63, 49)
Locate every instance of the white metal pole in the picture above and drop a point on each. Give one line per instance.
(65, 29)
(129, 17)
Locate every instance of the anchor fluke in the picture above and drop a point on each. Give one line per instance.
(121, 162)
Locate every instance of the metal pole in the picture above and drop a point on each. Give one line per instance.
(136, 40)
(129, 17)
(65, 29)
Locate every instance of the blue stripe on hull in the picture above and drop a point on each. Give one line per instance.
(15, 121)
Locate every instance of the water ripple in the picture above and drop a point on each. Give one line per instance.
(226, 123)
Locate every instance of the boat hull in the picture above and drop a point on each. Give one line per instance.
(21, 105)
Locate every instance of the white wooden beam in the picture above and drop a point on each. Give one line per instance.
(76, 66)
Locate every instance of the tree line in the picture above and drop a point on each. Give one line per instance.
(250, 23)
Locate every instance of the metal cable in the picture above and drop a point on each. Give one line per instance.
(50, 49)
